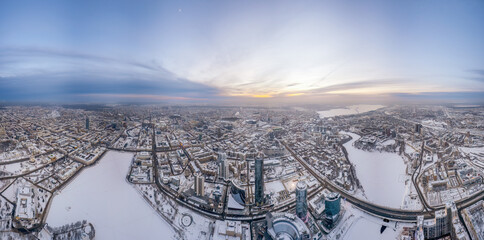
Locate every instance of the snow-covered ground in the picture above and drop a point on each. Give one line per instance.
(433, 123)
(368, 227)
(101, 195)
(476, 151)
(382, 175)
(356, 224)
(388, 142)
(274, 187)
(354, 109)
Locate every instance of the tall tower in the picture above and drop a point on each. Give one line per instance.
(259, 181)
(418, 128)
(332, 205)
(222, 165)
(221, 170)
(448, 210)
(199, 184)
(87, 123)
(441, 225)
(419, 235)
(301, 200)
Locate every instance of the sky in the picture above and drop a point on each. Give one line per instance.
(242, 51)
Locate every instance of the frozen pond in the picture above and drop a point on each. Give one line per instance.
(354, 109)
(381, 174)
(101, 195)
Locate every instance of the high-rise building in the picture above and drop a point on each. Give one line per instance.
(301, 200)
(457, 230)
(419, 234)
(222, 165)
(448, 211)
(259, 180)
(227, 171)
(332, 205)
(219, 132)
(439, 226)
(224, 170)
(221, 170)
(87, 123)
(199, 184)
(418, 128)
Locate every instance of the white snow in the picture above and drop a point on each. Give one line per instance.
(388, 142)
(356, 224)
(354, 109)
(234, 204)
(433, 123)
(409, 149)
(477, 151)
(382, 175)
(274, 186)
(102, 196)
(14, 168)
(367, 228)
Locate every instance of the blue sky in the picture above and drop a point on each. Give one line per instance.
(215, 51)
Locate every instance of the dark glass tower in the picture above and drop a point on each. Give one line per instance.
(259, 181)
(332, 205)
(301, 200)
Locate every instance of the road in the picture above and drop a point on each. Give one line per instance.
(371, 208)
(415, 176)
(374, 209)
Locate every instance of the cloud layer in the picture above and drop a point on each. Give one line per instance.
(309, 51)
(35, 74)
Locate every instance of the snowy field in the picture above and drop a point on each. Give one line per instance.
(101, 195)
(476, 151)
(368, 227)
(382, 175)
(356, 224)
(354, 109)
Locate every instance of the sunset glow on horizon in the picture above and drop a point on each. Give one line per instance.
(187, 51)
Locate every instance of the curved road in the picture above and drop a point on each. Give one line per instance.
(371, 208)
(381, 211)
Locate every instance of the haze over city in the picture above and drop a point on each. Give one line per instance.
(232, 51)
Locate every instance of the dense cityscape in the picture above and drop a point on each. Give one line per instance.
(241, 120)
(245, 172)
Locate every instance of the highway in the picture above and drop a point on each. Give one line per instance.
(371, 208)
(376, 210)
(415, 176)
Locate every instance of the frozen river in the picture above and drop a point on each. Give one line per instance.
(354, 109)
(101, 195)
(369, 228)
(382, 175)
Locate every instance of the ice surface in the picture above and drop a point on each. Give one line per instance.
(102, 196)
(382, 175)
(354, 109)
(356, 224)
(368, 228)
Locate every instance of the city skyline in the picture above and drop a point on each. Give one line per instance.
(407, 172)
(218, 52)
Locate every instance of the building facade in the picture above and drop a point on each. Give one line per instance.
(259, 181)
(301, 200)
